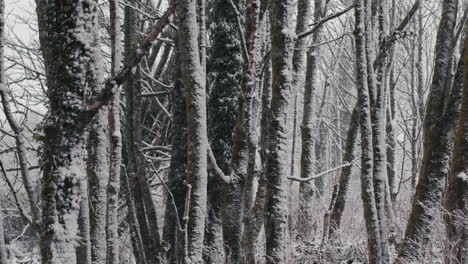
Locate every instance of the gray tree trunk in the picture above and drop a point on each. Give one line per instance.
(456, 201)
(367, 185)
(113, 187)
(342, 186)
(277, 162)
(439, 126)
(193, 78)
(67, 32)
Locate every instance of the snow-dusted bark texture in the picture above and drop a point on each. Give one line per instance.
(309, 126)
(367, 184)
(67, 31)
(277, 163)
(113, 187)
(457, 193)
(97, 162)
(439, 125)
(193, 78)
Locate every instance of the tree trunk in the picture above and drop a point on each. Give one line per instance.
(193, 77)
(83, 250)
(113, 188)
(67, 32)
(439, 126)
(457, 192)
(255, 218)
(97, 167)
(343, 185)
(367, 186)
(277, 163)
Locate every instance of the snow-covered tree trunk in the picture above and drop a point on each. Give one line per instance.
(193, 78)
(83, 250)
(367, 185)
(255, 219)
(378, 91)
(309, 130)
(66, 36)
(97, 162)
(342, 186)
(277, 161)
(438, 136)
(456, 201)
(113, 187)
(3, 251)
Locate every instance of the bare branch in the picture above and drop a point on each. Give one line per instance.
(316, 176)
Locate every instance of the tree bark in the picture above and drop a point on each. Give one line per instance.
(67, 32)
(364, 101)
(456, 201)
(113, 188)
(439, 126)
(309, 129)
(277, 163)
(97, 165)
(193, 77)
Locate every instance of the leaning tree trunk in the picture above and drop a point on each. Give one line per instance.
(367, 186)
(456, 201)
(439, 125)
(341, 188)
(193, 77)
(67, 32)
(277, 162)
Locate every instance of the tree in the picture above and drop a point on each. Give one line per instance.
(457, 191)
(193, 78)
(277, 165)
(113, 187)
(68, 32)
(367, 185)
(439, 125)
